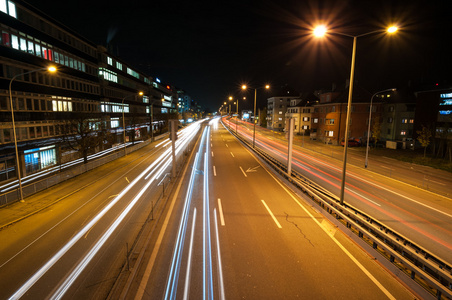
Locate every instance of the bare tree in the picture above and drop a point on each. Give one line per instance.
(84, 134)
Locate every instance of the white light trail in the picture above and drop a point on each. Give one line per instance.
(85, 260)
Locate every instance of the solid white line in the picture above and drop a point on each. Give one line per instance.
(187, 275)
(214, 171)
(220, 211)
(220, 267)
(371, 277)
(351, 191)
(435, 182)
(271, 214)
(232, 154)
(244, 174)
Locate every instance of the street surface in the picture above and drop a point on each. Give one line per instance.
(422, 216)
(230, 229)
(235, 231)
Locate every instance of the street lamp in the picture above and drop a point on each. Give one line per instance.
(244, 87)
(123, 120)
(320, 31)
(50, 69)
(370, 119)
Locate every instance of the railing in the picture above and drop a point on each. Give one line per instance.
(432, 273)
(37, 186)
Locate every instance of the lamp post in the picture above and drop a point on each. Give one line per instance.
(319, 32)
(370, 119)
(244, 87)
(124, 121)
(51, 70)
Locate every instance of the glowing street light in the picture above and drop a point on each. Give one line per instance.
(50, 69)
(244, 87)
(320, 31)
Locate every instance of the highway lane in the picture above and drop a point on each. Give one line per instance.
(420, 215)
(266, 243)
(76, 248)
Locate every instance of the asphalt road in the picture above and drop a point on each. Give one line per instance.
(233, 230)
(77, 246)
(419, 214)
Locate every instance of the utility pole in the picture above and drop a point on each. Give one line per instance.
(173, 138)
(290, 139)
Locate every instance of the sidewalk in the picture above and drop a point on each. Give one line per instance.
(17, 211)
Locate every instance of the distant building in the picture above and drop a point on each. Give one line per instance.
(277, 108)
(301, 111)
(434, 111)
(397, 115)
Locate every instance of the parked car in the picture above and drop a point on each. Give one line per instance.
(351, 143)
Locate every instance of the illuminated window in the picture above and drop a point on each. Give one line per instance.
(109, 61)
(403, 132)
(411, 121)
(133, 73)
(9, 9)
(108, 75)
(14, 42)
(404, 121)
(329, 133)
(119, 65)
(12, 9)
(31, 47)
(23, 44)
(315, 120)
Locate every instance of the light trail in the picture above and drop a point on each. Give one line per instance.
(202, 157)
(85, 260)
(190, 252)
(14, 184)
(171, 286)
(207, 245)
(353, 190)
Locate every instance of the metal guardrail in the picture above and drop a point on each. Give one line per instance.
(423, 267)
(37, 186)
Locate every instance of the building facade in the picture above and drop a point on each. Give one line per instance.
(91, 89)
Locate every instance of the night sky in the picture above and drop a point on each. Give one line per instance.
(209, 48)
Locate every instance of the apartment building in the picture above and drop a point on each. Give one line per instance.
(89, 84)
(330, 114)
(277, 107)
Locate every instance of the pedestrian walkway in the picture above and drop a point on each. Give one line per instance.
(17, 211)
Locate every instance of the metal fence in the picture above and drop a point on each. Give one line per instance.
(37, 186)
